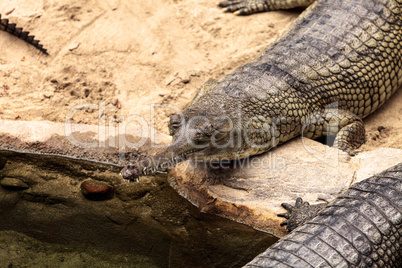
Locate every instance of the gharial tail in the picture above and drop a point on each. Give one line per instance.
(18, 32)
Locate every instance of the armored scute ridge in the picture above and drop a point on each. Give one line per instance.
(18, 32)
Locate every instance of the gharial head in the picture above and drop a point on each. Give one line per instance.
(209, 129)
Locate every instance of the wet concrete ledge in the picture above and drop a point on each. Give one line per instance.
(41, 197)
(107, 144)
(147, 223)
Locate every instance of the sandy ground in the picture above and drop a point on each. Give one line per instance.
(115, 61)
(124, 56)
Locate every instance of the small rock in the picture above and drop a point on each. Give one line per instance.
(13, 184)
(74, 46)
(380, 128)
(133, 191)
(116, 103)
(48, 94)
(97, 190)
(186, 80)
(16, 74)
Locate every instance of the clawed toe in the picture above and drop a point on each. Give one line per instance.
(228, 3)
(284, 215)
(288, 207)
(298, 214)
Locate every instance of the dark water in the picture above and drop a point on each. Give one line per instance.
(46, 222)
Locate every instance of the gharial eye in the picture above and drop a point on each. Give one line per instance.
(208, 129)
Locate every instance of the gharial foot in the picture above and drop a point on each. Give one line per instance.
(299, 214)
(347, 128)
(245, 7)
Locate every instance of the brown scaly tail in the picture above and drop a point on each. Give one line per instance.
(18, 32)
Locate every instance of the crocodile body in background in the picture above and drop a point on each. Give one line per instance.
(18, 32)
(338, 63)
(361, 228)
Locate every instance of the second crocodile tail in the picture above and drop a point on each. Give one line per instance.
(24, 35)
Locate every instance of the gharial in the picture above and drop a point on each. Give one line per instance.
(339, 62)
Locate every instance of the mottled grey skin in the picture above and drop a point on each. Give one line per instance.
(18, 32)
(339, 62)
(360, 228)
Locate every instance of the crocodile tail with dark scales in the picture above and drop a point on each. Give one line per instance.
(24, 35)
(361, 228)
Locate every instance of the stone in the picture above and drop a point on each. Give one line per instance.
(97, 190)
(250, 191)
(13, 184)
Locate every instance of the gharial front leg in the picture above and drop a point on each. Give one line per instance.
(347, 128)
(247, 7)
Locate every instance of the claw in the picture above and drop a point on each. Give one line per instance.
(288, 207)
(240, 12)
(299, 202)
(228, 3)
(353, 153)
(284, 215)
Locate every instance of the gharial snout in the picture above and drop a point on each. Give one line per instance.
(150, 165)
(194, 141)
(131, 172)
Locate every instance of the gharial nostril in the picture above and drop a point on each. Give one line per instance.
(130, 172)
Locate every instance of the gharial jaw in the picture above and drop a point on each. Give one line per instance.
(209, 137)
(202, 138)
(169, 158)
(153, 164)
